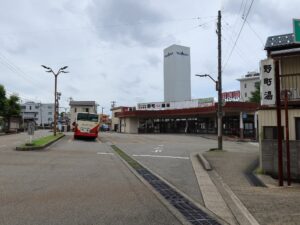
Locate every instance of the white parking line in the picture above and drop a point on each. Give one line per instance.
(162, 156)
(104, 153)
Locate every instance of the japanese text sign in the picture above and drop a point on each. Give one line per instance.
(267, 83)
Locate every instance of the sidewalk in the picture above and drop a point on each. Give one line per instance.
(276, 206)
(226, 138)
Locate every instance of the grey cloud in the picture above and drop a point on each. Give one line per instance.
(104, 75)
(71, 89)
(126, 21)
(275, 15)
(153, 60)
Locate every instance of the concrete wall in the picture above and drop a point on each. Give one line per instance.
(177, 74)
(270, 158)
(268, 148)
(129, 125)
(115, 120)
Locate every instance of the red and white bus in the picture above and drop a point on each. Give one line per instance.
(86, 125)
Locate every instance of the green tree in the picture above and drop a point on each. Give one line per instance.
(255, 95)
(3, 101)
(9, 107)
(13, 106)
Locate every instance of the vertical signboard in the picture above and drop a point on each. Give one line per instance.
(267, 84)
(296, 26)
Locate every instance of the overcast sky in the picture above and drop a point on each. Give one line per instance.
(114, 48)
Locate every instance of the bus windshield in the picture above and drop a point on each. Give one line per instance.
(87, 117)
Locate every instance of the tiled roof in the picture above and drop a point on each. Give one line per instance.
(280, 42)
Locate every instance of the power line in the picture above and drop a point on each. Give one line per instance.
(111, 25)
(15, 69)
(239, 34)
(256, 34)
(230, 38)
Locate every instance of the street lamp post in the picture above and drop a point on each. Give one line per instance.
(61, 70)
(219, 113)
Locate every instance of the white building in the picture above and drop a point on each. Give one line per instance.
(42, 114)
(177, 74)
(82, 106)
(248, 84)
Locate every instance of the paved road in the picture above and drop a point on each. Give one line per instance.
(73, 182)
(169, 155)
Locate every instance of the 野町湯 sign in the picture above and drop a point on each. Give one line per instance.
(267, 84)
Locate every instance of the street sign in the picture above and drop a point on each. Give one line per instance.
(31, 128)
(296, 26)
(267, 84)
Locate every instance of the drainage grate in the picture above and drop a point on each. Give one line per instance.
(189, 210)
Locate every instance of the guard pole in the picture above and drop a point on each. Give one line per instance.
(287, 139)
(279, 130)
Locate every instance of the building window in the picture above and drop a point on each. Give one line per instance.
(270, 132)
(49, 107)
(30, 107)
(257, 84)
(148, 106)
(168, 104)
(297, 121)
(36, 107)
(163, 105)
(49, 113)
(75, 109)
(245, 94)
(87, 110)
(245, 85)
(23, 107)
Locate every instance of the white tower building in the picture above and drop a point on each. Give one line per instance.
(177, 74)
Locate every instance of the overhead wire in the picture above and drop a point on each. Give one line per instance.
(256, 34)
(238, 36)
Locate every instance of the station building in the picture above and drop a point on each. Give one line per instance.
(239, 118)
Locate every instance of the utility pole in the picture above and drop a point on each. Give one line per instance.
(61, 70)
(113, 104)
(219, 84)
(279, 130)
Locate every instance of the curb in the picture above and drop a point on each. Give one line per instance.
(235, 200)
(206, 165)
(171, 208)
(39, 147)
(213, 200)
(4, 134)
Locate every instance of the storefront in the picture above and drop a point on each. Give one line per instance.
(238, 120)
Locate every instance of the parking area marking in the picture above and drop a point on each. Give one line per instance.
(104, 153)
(162, 156)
